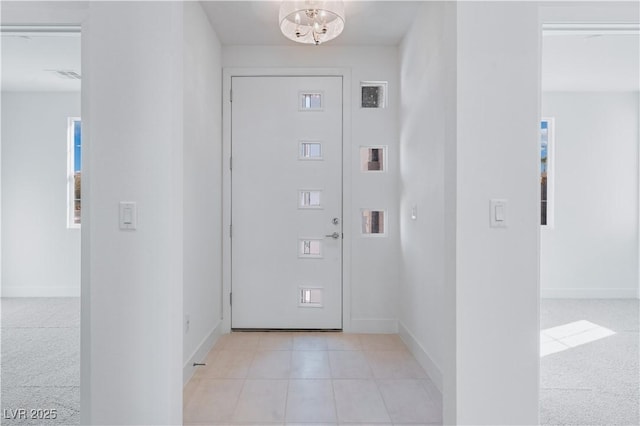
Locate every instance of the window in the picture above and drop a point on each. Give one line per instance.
(373, 222)
(374, 94)
(546, 171)
(310, 151)
(311, 101)
(310, 297)
(373, 158)
(309, 199)
(310, 249)
(74, 172)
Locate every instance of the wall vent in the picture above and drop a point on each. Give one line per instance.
(66, 74)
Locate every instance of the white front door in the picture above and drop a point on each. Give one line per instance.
(286, 202)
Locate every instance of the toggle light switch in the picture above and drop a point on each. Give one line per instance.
(498, 212)
(414, 212)
(128, 215)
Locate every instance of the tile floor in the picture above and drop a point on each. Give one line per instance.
(319, 378)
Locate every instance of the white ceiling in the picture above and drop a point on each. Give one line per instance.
(29, 62)
(591, 62)
(569, 62)
(256, 22)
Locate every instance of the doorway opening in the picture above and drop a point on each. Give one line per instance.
(40, 230)
(589, 235)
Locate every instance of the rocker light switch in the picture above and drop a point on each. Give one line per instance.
(128, 215)
(498, 213)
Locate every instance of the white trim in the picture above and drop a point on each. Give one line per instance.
(589, 293)
(201, 352)
(15, 291)
(374, 325)
(227, 74)
(421, 355)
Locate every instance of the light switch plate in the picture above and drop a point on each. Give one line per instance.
(498, 213)
(128, 215)
(414, 212)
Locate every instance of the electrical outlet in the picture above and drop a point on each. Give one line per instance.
(187, 323)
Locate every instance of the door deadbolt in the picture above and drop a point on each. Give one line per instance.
(335, 221)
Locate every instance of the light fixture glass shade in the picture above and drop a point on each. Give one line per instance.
(311, 21)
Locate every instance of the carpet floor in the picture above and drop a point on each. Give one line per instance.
(40, 361)
(595, 383)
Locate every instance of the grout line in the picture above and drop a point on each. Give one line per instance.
(335, 401)
(384, 402)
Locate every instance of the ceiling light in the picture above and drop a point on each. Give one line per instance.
(311, 21)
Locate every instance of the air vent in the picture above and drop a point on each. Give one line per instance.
(66, 74)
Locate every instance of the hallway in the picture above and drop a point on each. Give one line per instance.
(303, 377)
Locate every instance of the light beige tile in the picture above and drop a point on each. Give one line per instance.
(310, 401)
(213, 402)
(359, 401)
(261, 401)
(310, 365)
(394, 365)
(239, 341)
(315, 424)
(408, 401)
(381, 342)
(276, 341)
(227, 365)
(189, 391)
(349, 365)
(309, 342)
(343, 342)
(270, 365)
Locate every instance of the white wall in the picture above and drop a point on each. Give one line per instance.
(497, 321)
(40, 256)
(202, 186)
(131, 324)
(374, 274)
(427, 67)
(592, 249)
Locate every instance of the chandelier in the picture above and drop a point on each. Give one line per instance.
(311, 21)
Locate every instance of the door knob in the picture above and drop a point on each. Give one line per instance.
(335, 236)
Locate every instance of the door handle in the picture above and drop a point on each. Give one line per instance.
(335, 236)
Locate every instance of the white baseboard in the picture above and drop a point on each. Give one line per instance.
(201, 352)
(372, 326)
(15, 291)
(432, 369)
(589, 293)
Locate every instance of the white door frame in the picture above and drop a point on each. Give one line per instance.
(227, 75)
